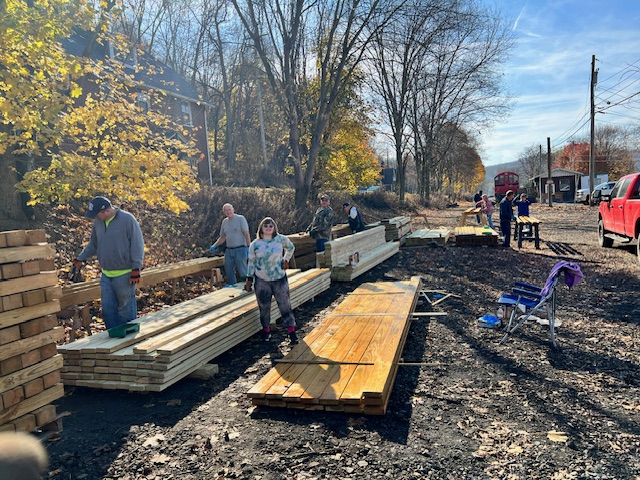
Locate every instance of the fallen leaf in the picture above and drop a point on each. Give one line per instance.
(153, 441)
(161, 458)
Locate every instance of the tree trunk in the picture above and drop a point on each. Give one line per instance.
(11, 214)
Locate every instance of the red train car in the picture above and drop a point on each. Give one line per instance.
(505, 181)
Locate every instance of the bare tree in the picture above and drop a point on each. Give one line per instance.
(280, 33)
(397, 54)
(532, 162)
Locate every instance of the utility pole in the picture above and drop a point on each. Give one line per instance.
(592, 156)
(540, 173)
(549, 179)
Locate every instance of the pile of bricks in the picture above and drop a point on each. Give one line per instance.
(29, 363)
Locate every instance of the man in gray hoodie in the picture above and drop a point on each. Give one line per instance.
(116, 239)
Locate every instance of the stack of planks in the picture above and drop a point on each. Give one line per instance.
(371, 249)
(439, 236)
(305, 253)
(79, 293)
(473, 236)
(178, 340)
(29, 364)
(349, 362)
(395, 229)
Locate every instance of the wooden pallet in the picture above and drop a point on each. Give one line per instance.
(349, 362)
(439, 236)
(176, 341)
(29, 365)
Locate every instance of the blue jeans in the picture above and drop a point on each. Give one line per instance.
(280, 291)
(235, 259)
(320, 244)
(118, 300)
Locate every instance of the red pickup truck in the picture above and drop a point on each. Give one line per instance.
(619, 215)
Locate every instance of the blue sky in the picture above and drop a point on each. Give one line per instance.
(549, 71)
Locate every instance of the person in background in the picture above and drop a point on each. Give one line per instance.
(116, 239)
(269, 256)
(506, 215)
(522, 202)
(354, 218)
(476, 199)
(320, 228)
(235, 232)
(487, 209)
(22, 457)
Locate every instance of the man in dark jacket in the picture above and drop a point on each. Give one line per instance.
(506, 214)
(116, 239)
(354, 217)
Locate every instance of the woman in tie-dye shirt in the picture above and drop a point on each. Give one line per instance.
(269, 256)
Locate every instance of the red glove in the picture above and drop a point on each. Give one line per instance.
(78, 264)
(135, 276)
(285, 264)
(247, 284)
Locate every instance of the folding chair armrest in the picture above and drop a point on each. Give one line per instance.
(527, 286)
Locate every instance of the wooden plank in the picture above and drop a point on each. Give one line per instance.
(14, 238)
(31, 404)
(20, 254)
(33, 237)
(24, 284)
(77, 294)
(27, 344)
(10, 270)
(8, 335)
(11, 302)
(352, 363)
(24, 375)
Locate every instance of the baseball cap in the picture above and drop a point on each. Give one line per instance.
(345, 204)
(97, 205)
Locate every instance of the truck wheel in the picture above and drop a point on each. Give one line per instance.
(587, 201)
(603, 240)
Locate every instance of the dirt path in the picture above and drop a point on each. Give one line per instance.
(479, 410)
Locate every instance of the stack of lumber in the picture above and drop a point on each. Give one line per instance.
(473, 236)
(371, 249)
(349, 362)
(305, 253)
(395, 229)
(29, 364)
(178, 340)
(79, 293)
(426, 236)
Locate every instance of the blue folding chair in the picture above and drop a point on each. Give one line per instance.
(526, 299)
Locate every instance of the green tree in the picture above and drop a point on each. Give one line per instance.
(37, 82)
(121, 148)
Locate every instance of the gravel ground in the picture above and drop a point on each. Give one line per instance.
(477, 410)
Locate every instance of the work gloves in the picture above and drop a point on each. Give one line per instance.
(247, 284)
(285, 264)
(78, 264)
(213, 248)
(134, 276)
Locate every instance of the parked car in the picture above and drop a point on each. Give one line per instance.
(619, 213)
(583, 195)
(601, 192)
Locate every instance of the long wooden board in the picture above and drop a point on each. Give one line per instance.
(348, 362)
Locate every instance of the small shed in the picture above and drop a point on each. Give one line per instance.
(563, 184)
